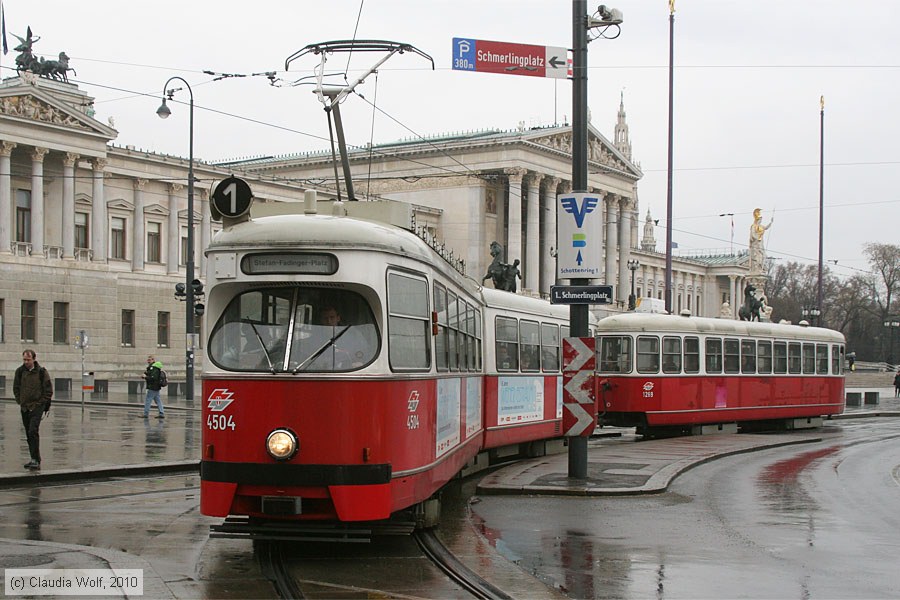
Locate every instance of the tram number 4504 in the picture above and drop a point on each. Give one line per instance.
(220, 422)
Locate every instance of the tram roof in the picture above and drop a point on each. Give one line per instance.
(652, 323)
(320, 231)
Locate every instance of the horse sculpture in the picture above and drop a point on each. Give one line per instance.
(496, 271)
(751, 310)
(55, 69)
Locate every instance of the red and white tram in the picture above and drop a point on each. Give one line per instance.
(663, 372)
(351, 371)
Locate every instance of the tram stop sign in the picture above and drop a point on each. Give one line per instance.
(232, 198)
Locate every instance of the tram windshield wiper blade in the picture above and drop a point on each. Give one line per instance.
(312, 357)
(264, 349)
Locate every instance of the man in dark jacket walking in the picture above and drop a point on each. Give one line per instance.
(33, 391)
(153, 377)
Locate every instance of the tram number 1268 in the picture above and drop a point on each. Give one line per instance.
(220, 422)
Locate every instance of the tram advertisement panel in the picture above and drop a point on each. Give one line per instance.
(473, 405)
(520, 400)
(448, 410)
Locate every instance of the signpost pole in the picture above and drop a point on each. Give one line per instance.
(578, 313)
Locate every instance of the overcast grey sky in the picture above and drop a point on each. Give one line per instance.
(748, 77)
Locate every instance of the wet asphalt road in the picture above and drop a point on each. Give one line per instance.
(813, 521)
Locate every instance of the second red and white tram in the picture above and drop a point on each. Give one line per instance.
(663, 372)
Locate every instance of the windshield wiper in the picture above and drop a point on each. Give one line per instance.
(312, 357)
(264, 349)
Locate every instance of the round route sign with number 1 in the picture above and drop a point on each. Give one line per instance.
(232, 197)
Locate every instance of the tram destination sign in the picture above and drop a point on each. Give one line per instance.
(581, 294)
(512, 59)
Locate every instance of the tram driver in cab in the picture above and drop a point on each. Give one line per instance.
(350, 347)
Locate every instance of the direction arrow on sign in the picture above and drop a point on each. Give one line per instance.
(579, 409)
(514, 59)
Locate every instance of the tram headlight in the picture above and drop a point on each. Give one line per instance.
(282, 444)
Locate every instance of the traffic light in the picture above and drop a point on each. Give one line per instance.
(179, 291)
(197, 286)
(199, 309)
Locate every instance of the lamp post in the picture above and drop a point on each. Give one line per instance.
(670, 166)
(892, 325)
(812, 312)
(732, 229)
(633, 264)
(164, 112)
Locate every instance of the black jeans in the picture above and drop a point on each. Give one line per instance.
(31, 419)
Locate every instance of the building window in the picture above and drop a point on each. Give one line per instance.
(29, 320)
(2, 321)
(117, 240)
(23, 215)
(81, 230)
(60, 322)
(128, 328)
(162, 329)
(184, 247)
(153, 239)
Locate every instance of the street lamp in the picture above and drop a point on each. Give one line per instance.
(891, 324)
(189, 285)
(812, 312)
(732, 229)
(633, 264)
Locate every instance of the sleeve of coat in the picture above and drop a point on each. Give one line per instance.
(47, 387)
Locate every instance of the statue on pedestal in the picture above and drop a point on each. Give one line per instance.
(757, 248)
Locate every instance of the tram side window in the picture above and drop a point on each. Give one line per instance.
(529, 333)
(748, 356)
(409, 322)
(794, 362)
(836, 352)
(452, 331)
(732, 355)
(671, 354)
(507, 335)
(713, 355)
(764, 357)
(691, 355)
(779, 358)
(470, 337)
(549, 347)
(648, 354)
(615, 354)
(440, 340)
(477, 318)
(809, 358)
(821, 359)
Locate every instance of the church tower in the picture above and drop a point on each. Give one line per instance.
(648, 242)
(623, 144)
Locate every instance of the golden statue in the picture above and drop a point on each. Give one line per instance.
(757, 249)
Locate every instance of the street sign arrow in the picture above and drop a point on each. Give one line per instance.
(583, 421)
(556, 62)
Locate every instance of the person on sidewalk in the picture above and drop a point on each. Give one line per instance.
(897, 384)
(33, 391)
(152, 376)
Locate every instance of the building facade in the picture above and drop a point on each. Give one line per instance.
(93, 236)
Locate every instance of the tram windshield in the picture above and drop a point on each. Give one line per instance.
(295, 329)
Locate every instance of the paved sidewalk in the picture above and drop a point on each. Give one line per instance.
(108, 433)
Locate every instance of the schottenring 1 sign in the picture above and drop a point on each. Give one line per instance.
(579, 407)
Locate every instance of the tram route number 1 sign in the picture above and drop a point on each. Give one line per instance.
(579, 407)
(231, 198)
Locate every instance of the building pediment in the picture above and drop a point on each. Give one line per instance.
(33, 105)
(156, 210)
(120, 204)
(600, 150)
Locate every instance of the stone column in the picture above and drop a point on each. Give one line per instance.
(7, 215)
(99, 225)
(547, 257)
(173, 235)
(138, 242)
(204, 231)
(37, 200)
(68, 205)
(514, 210)
(732, 300)
(533, 234)
(612, 241)
(625, 219)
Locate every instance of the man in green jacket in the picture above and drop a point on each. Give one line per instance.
(33, 391)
